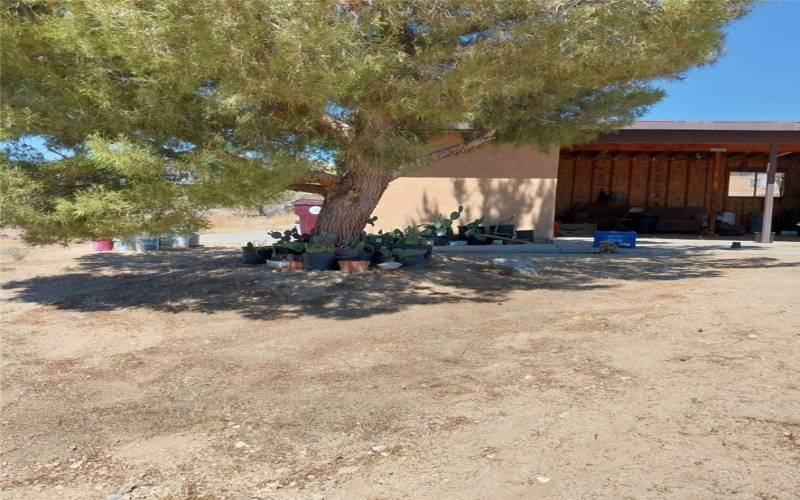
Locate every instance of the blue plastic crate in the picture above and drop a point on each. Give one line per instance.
(619, 238)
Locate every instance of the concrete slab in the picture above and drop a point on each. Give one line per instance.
(645, 246)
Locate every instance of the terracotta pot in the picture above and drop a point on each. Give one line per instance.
(295, 265)
(353, 266)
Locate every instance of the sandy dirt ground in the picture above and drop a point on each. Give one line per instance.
(187, 375)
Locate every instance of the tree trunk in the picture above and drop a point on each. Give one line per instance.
(347, 208)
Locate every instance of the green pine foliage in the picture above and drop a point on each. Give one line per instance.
(171, 106)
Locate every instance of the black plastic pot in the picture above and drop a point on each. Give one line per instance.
(441, 241)
(358, 256)
(253, 256)
(414, 260)
(265, 251)
(378, 257)
(502, 230)
(471, 240)
(428, 249)
(319, 261)
(525, 234)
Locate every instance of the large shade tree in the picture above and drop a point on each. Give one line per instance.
(241, 100)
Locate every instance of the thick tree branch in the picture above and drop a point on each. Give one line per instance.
(316, 182)
(463, 147)
(337, 127)
(309, 188)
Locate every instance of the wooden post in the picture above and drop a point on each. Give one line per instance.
(715, 182)
(766, 225)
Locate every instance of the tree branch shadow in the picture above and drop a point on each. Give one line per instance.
(212, 280)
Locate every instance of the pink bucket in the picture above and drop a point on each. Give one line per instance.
(102, 245)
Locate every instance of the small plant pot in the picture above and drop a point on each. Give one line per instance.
(506, 230)
(472, 240)
(428, 249)
(441, 241)
(102, 245)
(324, 261)
(252, 257)
(194, 240)
(525, 234)
(413, 261)
(146, 244)
(378, 258)
(295, 265)
(266, 252)
(353, 266)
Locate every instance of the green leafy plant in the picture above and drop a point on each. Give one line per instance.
(472, 230)
(320, 243)
(402, 253)
(358, 249)
(293, 247)
(289, 241)
(318, 248)
(412, 236)
(285, 236)
(443, 225)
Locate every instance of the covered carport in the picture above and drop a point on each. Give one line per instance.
(689, 163)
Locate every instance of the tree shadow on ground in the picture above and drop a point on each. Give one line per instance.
(213, 280)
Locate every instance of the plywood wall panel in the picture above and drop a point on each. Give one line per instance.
(697, 187)
(640, 167)
(602, 175)
(676, 184)
(583, 175)
(657, 188)
(621, 174)
(566, 177)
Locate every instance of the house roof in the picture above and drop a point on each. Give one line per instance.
(701, 135)
(722, 125)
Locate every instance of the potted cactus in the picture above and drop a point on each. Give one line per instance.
(319, 254)
(410, 257)
(253, 254)
(288, 242)
(355, 257)
(441, 230)
(474, 233)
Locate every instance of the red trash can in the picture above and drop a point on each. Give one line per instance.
(308, 211)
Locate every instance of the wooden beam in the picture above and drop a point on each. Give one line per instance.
(647, 182)
(715, 181)
(676, 147)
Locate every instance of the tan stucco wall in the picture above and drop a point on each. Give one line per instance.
(493, 181)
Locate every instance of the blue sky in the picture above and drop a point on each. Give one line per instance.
(758, 77)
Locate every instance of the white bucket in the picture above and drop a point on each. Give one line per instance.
(181, 241)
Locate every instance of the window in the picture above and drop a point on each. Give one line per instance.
(753, 184)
